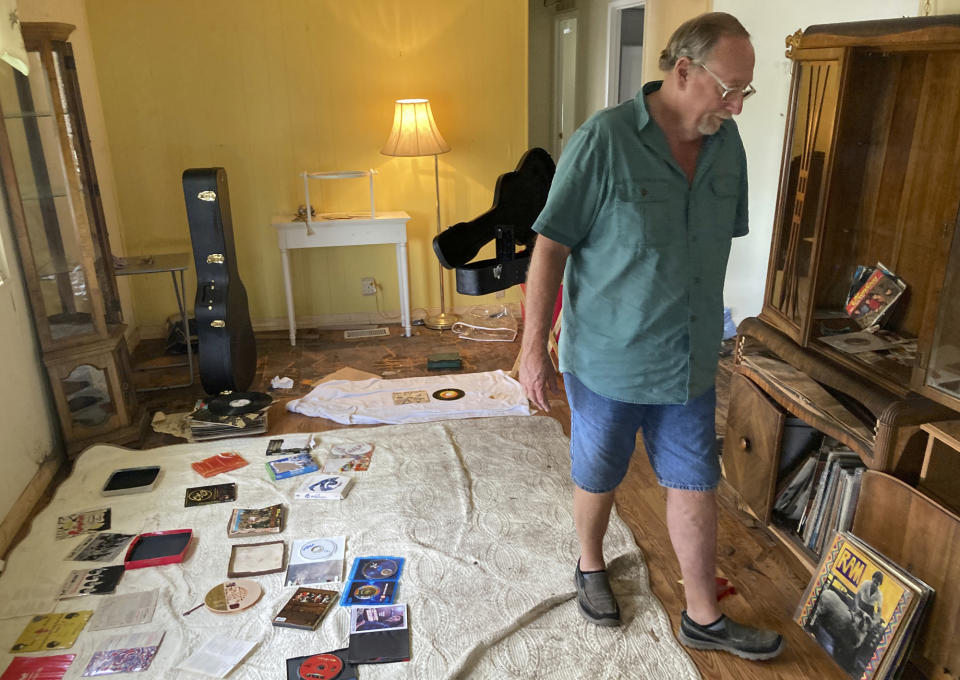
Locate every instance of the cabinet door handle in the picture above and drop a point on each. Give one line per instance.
(744, 444)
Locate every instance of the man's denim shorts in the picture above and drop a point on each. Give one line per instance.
(680, 439)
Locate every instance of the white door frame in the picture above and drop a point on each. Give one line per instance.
(559, 82)
(613, 45)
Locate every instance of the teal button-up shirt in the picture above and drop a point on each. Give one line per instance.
(643, 288)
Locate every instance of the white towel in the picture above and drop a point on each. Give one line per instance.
(372, 401)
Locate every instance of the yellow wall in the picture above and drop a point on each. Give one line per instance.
(267, 90)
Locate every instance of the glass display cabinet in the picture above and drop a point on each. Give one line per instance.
(54, 203)
(868, 179)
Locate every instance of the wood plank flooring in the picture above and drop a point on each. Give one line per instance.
(768, 581)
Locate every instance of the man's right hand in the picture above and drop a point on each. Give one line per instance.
(538, 377)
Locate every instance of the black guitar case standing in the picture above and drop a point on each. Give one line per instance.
(227, 348)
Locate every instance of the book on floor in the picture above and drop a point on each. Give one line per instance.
(256, 521)
(306, 608)
(862, 608)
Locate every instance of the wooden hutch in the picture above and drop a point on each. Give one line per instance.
(870, 174)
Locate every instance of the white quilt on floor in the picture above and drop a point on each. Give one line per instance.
(480, 510)
(367, 402)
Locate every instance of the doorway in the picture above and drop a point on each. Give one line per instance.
(625, 25)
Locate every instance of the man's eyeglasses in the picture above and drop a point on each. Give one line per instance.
(727, 92)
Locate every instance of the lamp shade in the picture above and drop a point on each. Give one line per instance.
(414, 131)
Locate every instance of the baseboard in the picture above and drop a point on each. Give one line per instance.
(327, 321)
(22, 511)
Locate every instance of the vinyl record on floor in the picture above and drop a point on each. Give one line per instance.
(238, 403)
(448, 394)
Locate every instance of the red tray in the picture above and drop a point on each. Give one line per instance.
(158, 547)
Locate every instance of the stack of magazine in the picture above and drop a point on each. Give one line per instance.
(205, 425)
(818, 496)
(863, 609)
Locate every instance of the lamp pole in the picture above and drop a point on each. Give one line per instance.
(441, 321)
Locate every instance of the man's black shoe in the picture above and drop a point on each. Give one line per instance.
(596, 600)
(729, 636)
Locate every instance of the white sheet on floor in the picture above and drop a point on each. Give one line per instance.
(368, 402)
(479, 509)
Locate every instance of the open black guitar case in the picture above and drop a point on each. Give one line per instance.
(227, 348)
(518, 198)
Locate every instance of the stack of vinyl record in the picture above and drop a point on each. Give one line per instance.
(230, 414)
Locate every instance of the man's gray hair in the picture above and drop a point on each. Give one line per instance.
(696, 37)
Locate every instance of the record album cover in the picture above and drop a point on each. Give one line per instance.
(51, 631)
(82, 522)
(38, 668)
(98, 581)
(306, 608)
(102, 547)
(124, 654)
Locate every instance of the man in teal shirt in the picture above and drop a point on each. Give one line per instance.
(638, 224)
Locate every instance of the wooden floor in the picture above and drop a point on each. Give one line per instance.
(768, 581)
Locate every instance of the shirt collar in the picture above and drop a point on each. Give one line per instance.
(642, 115)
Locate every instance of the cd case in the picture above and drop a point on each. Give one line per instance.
(306, 608)
(213, 493)
(290, 466)
(372, 581)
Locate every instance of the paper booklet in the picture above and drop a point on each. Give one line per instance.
(217, 656)
(124, 653)
(316, 561)
(130, 609)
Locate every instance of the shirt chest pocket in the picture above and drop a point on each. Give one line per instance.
(724, 196)
(647, 213)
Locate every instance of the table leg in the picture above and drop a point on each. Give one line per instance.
(288, 290)
(404, 280)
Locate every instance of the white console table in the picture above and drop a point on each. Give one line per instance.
(386, 227)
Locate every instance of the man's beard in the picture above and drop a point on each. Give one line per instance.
(711, 122)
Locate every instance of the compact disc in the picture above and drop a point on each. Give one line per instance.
(233, 596)
(238, 403)
(320, 667)
(367, 591)
(449, 394)
(380, 569)
(320, 549)
(351, 450)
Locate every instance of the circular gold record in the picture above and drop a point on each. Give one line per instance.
(233, 596)
(320, 667)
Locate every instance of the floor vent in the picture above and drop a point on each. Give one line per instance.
(366, 333)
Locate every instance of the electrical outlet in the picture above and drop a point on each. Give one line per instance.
(368, 285)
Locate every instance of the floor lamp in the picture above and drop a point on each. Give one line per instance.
(415, 133)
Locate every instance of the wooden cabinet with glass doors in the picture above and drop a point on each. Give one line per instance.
(870, 175)
(54, 204)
